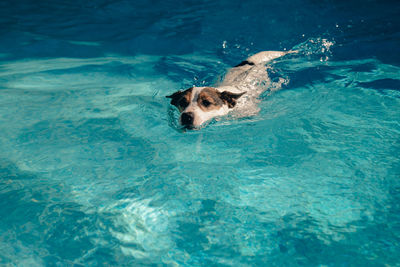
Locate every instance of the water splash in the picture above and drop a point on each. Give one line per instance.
(316, 47)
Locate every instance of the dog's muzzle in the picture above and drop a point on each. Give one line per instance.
(187, 119)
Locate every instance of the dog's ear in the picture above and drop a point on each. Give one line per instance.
(230, 98)
(175, 97)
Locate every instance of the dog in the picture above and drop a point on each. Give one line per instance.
(198, 105)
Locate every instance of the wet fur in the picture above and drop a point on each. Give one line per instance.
(200, 104)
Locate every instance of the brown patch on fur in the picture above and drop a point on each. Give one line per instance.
(181, 99)
(209, 99)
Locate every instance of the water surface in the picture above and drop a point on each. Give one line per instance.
(94, 170)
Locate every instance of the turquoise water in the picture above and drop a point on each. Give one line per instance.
(95, 171)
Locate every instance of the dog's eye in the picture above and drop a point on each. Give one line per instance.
(206, 103)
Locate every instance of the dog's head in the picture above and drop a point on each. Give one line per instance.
(200, 104)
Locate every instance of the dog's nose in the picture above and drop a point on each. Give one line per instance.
(187, 118)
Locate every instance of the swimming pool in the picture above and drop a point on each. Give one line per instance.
(94, 170)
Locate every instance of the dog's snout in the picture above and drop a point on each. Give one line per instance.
(187, 118)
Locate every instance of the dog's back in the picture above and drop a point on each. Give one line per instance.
(248, 69)
(250, 76)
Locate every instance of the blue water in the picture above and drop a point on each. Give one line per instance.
(94, 170)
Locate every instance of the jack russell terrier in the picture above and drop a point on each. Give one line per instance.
(198, 105)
